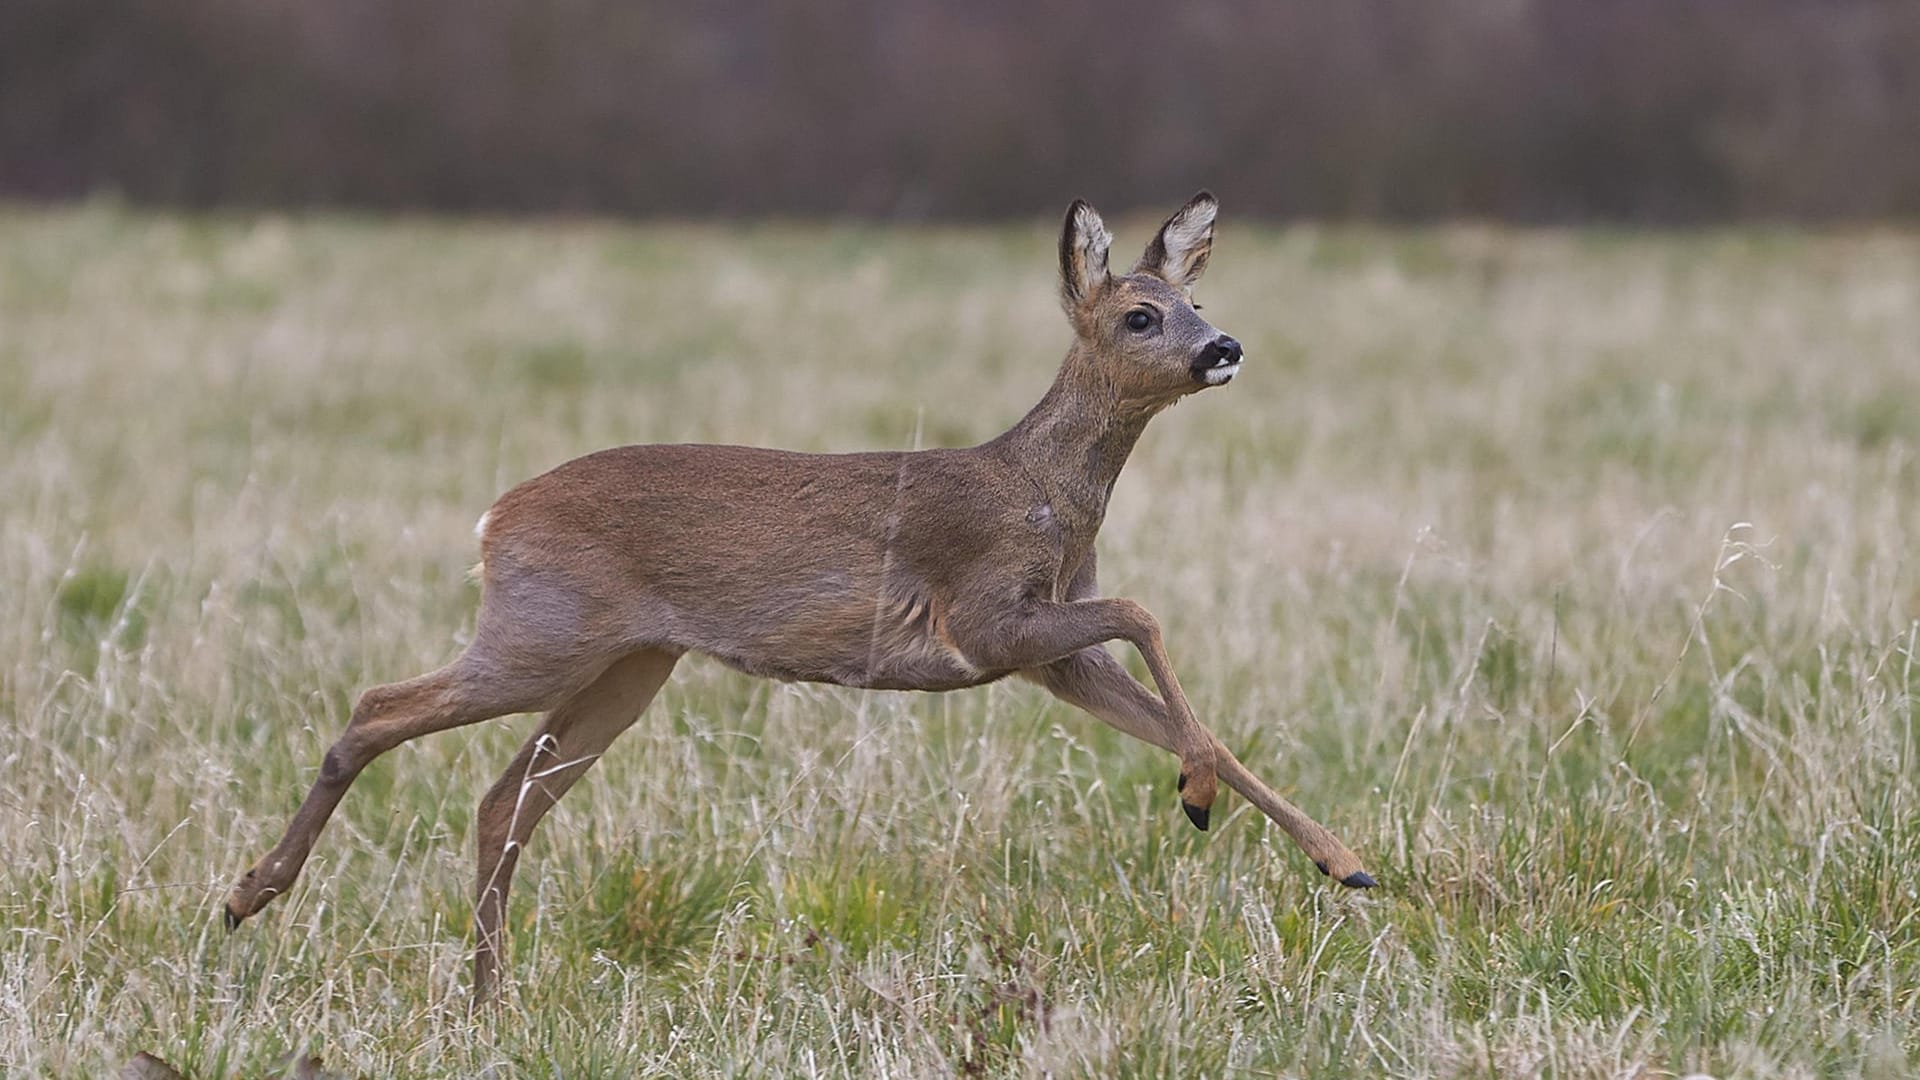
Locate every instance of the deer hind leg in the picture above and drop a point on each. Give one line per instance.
(1095, 681)
(567, 743)
(471, 689)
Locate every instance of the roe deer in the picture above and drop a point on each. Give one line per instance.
(925, 570)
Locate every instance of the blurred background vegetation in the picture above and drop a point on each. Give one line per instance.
(1647, 111)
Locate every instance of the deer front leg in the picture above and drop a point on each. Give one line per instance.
(1040, 632)
(1094, 681)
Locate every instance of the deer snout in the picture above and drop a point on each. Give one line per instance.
(1218, 361)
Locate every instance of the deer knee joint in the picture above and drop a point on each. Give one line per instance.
(339, 765)
(370, 704)
(1139, 621)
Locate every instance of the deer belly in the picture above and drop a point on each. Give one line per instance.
(881, 645)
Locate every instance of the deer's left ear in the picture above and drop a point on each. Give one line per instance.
(1084, 240)
(1178, 253)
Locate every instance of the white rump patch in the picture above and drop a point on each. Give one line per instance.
(478, 570)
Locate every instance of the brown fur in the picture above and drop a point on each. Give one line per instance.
(931, 570)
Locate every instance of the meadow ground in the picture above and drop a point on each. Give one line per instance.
(1570, 576)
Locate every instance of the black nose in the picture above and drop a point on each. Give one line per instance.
(1220, 351)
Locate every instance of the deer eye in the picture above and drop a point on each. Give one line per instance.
(1139, 321)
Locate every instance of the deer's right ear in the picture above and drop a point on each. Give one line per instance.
(1084, 241)
(1178, 253)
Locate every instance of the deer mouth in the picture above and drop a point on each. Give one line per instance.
(1216, 372)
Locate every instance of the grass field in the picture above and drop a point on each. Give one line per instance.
(1570, 577)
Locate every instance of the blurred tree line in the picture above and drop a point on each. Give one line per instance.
(1639, 110)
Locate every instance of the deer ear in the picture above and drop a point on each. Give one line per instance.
(1084, 241)
(1178, 253)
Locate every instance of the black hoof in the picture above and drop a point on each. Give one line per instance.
(1181, 784)
(1359, 879)
(1196, 814)
(233, 920)
(1322, 866)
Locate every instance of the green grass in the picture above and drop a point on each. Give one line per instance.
(1571, 578)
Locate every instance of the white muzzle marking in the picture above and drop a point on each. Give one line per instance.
(1215, 376)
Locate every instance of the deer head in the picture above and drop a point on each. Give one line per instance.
(1141, 330)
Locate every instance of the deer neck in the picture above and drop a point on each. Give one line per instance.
(1073, 444)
